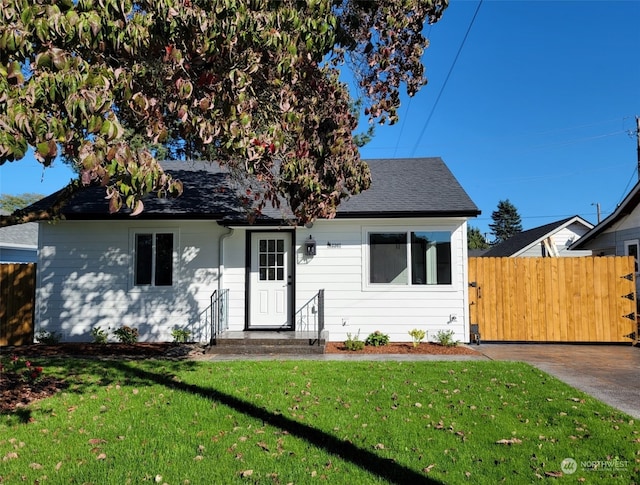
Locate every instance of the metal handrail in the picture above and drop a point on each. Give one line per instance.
(310, 317)
(219, 313)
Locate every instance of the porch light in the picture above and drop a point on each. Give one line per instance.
(310, 247)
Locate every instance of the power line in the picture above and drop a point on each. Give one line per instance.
(634, 174)
(426, 123)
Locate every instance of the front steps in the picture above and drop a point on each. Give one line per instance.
(268, 343)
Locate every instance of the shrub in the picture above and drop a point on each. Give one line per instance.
(180, 335)
(354, 343)
(126, 335)
(377, 339)
(445, 338)
(417, 335)
(48, 338)
(99, 336)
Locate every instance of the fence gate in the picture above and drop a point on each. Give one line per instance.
(17, 303)
(581, 299)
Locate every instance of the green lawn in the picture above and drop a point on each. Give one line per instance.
(280, 422)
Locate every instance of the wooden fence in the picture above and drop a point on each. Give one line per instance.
(590, 299)
(17, 303)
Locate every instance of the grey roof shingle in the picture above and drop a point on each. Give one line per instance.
(21, 235)
(424, 186)
(400, 187)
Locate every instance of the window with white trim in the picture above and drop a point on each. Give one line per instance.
(153, 258)
(410, 258)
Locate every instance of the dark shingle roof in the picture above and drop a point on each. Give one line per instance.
(521, 240)
(400, 188)
(406, 186)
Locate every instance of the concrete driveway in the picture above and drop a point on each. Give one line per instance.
(610, 373)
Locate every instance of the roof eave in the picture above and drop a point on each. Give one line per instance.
(626, 206)
(406, 214)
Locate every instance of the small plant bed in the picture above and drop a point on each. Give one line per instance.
(88, 349)
(401, 348)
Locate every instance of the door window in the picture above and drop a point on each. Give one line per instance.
(271, 259)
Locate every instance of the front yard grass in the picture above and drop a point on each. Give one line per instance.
(280, 422)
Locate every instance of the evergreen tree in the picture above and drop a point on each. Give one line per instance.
(506, 221)
(475, 239)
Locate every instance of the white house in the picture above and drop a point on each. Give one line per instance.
(393, 259)
(550, 240)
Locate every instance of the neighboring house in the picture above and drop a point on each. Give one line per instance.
(552, 239)
(19, 244)
(393, 259)
(619, 233)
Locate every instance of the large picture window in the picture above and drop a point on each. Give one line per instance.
(410, 258)
(154, 259)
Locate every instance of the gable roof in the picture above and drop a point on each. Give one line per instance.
(522, 241)
(408, 186)
(625, 208)
(411, 187)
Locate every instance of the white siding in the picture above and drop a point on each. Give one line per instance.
(85, 279)
(352, 306)
(563, 238)
(233, 278)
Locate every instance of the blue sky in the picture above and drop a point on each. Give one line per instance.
(539, 108)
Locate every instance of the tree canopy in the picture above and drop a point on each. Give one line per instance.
(10, 203)
(506, 221)
(253, 85)
(475, 239)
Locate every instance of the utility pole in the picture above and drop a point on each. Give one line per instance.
(597, 204)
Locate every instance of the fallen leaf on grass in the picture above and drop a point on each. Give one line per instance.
(428, 468)
(246, 473)
(512, 441)
(263, 445)
(379, 446)
(554, 474)
(10, 456)
(35, 466)
(101, 456)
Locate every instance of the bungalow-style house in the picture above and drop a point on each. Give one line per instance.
(551, 240)
(19, 244)
(393, 259)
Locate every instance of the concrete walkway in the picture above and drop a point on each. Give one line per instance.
(610, 373)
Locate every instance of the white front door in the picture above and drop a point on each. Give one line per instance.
(270, 280)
